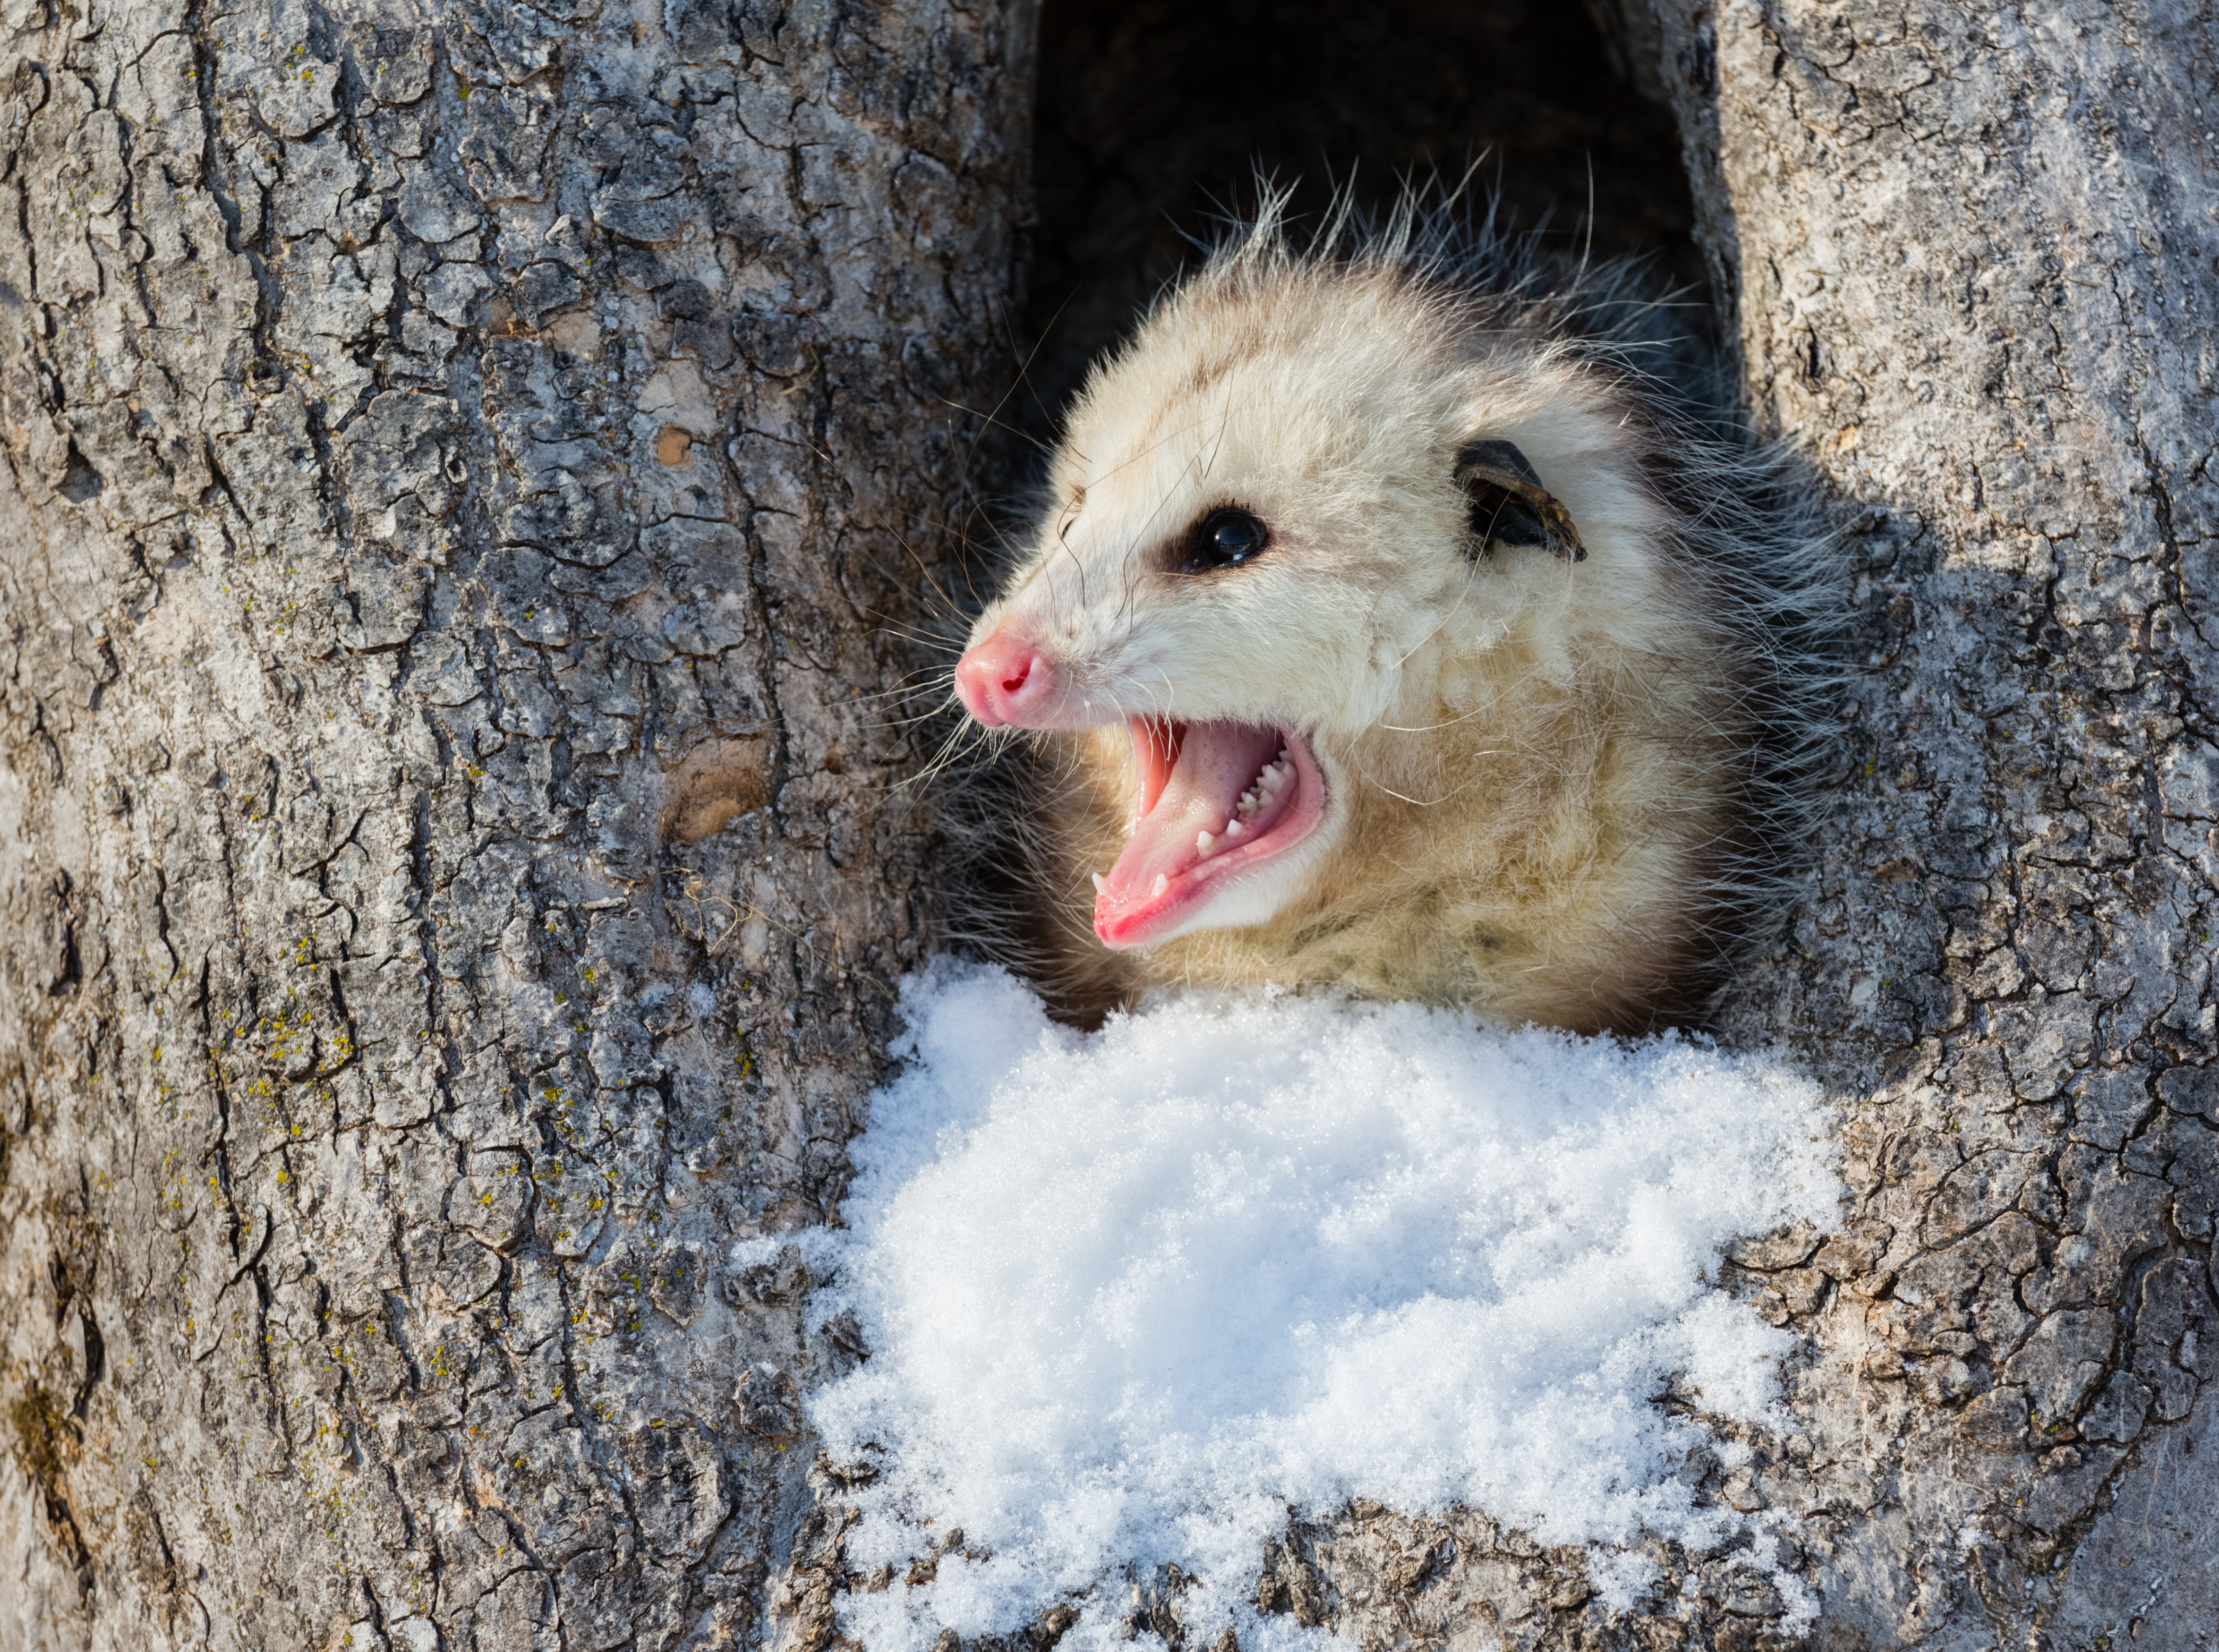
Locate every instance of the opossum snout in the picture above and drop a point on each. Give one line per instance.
(1006, 682)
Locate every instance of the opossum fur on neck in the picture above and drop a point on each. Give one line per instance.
(1404, 616)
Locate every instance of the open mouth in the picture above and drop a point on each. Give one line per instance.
(1217, 800)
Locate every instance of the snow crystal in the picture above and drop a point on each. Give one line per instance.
(1132, 1296)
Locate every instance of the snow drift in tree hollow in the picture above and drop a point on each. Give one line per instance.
(1129, 1296)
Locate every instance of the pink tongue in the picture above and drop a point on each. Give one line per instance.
(1216, 762)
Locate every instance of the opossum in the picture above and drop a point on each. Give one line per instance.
(1404, 618)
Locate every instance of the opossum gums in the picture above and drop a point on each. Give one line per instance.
(1403, 619)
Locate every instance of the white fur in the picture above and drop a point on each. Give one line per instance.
(1577, 774)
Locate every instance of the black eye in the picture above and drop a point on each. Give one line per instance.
(1224, 538)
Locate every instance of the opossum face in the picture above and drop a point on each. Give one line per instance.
(1268, 534)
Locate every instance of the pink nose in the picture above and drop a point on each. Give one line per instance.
(1005, 682)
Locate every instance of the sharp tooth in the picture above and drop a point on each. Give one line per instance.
(1162, 883)
(1100, 883)
(1233, 828)
(1202, 841)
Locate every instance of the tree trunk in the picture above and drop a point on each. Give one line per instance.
(452, 477)
(1972, 268)
(459, 458)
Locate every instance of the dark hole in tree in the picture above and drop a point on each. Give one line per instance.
(1154, 114)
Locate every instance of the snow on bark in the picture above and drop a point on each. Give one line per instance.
(1133, 1297)
(458, 460)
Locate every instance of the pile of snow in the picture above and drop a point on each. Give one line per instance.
(1132, 1296)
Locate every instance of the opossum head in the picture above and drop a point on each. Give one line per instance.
(1315, 535)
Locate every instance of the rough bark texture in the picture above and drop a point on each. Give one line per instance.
(1973, 261)
(457, 459)
(453, 465)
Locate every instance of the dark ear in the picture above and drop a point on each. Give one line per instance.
(1510, 510)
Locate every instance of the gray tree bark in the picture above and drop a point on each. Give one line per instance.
(457, 465)
(458, 458)
(1975, 261)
